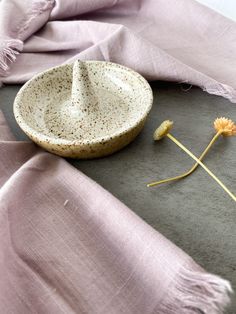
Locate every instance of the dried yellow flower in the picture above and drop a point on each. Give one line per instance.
(223, 126)
(226, 126)
(163, 130)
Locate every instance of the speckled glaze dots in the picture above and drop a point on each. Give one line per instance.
(84, 110)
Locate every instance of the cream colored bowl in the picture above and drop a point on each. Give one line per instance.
(84, 110)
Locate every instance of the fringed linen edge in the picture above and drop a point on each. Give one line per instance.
(195, 292)
(223, 90)
(10, 48)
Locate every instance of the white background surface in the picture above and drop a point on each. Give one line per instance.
(225, 7)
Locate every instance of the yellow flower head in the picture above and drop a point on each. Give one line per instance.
(162, 130)
(226, 126)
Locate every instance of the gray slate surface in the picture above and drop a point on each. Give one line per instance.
(194, 213)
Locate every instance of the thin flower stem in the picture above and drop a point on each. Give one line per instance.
(193, 167)
(201, 164)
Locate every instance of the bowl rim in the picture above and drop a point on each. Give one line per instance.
(40, 137)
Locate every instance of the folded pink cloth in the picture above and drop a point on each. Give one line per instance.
(69, 246)
(181, 41)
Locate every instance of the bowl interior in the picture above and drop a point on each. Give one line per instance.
(121, 99)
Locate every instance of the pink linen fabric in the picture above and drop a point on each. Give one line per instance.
(66, 244)
(69, 246)
(177, 40)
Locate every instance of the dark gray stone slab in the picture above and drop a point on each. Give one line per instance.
(195, 213)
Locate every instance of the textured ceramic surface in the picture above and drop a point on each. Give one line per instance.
(84, 110)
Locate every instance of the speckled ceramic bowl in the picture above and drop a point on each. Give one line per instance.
(84, 110)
